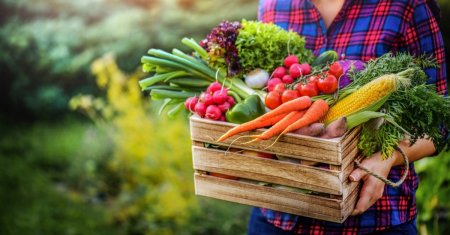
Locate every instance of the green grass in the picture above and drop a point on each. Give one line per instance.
(41, 164)
(54, 181)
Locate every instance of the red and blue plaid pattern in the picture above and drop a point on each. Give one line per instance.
(364, 30)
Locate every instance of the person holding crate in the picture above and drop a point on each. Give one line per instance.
(363, 30)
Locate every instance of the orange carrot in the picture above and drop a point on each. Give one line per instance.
(280, 126)
(317, 110)
(251, 125)
(299, 103)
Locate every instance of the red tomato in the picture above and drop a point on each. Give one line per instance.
(328, 85)
(280, 88)
(313, 78)
(310, 89)
(336, 69)
(289, 95)
(272, 100)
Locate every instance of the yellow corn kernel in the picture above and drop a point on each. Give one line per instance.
(364, 97)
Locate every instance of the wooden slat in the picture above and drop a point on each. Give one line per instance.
(338, 195)
(276, 199)
(296, 146)
(348, 160)
(350, 202)
(196, 121)
(267, 170)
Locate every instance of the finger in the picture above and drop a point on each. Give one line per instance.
(357, 174)
(365, 199)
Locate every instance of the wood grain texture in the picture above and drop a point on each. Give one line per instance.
(272, 198)
(267, 170)
(292, 145)
(333, 196)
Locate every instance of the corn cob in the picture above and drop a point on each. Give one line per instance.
(369, 97)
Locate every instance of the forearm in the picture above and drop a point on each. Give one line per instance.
(421, 149)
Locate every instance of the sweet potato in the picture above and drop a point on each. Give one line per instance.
(314, 129)
(335, 129)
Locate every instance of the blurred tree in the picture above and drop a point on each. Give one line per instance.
(47, 45)
(153, 192)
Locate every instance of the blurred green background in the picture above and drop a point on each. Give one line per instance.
(81, 151)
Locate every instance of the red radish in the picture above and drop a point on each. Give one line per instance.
(272, 83)
(206, 98)
(306, 68)
(220, 96)
(190, 103)
(200, 109)
(224, 106)
(295, 71)
(215, 86)
(279, 72)
(222, 118)
(288, 79)
(213, 112)
(290, 60)
(231, 101)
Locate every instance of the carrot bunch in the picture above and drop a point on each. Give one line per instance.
(288, 117)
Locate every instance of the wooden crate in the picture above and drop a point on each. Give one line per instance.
(315, 184)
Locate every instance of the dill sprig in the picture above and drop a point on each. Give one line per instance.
(418, 109)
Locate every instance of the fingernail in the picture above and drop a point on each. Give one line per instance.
(352, 178)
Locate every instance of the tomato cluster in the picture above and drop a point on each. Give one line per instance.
(295, 79)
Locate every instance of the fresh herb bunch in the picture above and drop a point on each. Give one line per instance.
(221, 48)
(390, 63)
(265, 45)
(417, 111)
(422, 112)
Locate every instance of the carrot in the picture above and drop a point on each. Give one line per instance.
(317, 110)
(299, 103)
(251, 125)
(280, 126)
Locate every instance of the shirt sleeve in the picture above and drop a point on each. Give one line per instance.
(422, 36)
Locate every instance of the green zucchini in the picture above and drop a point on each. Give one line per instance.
(327, 57)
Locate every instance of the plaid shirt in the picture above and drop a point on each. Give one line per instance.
(364, 30)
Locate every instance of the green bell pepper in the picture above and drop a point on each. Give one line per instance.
(249, 109)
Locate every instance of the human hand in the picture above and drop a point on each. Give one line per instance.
(372, 188)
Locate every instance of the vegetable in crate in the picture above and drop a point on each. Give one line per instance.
(240, 47)
(265, 46)
(176, 76)
(412, 110)
(249, 109)
(212, 104)
(221, 48)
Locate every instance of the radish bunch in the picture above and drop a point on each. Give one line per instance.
(211, 104)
